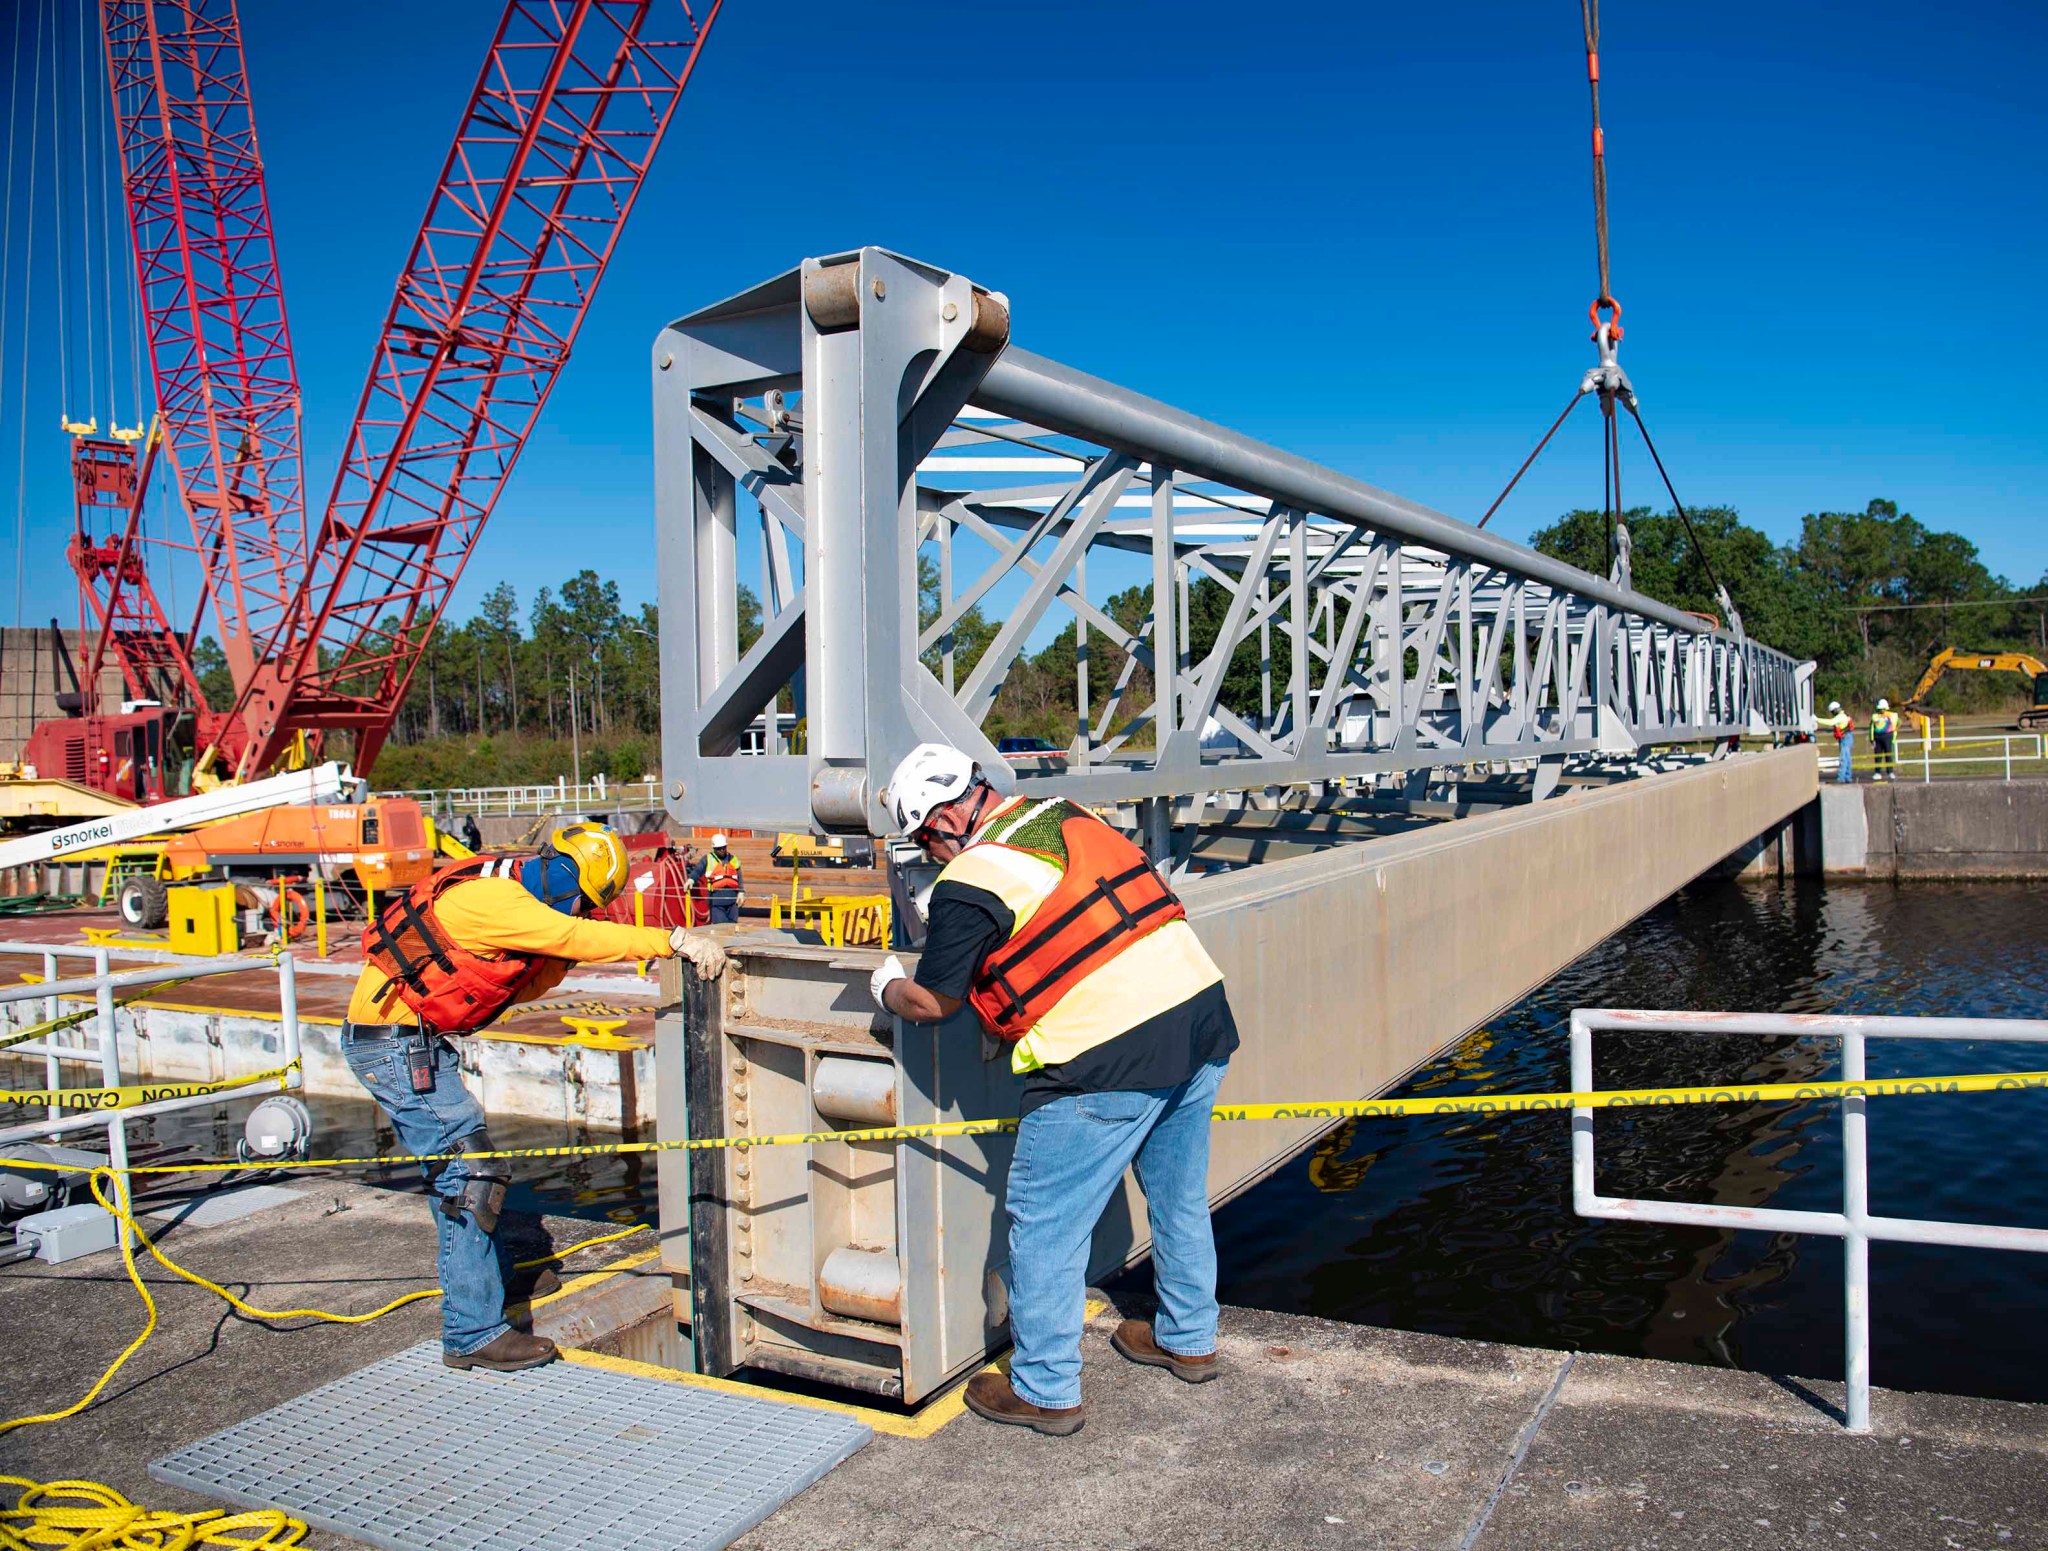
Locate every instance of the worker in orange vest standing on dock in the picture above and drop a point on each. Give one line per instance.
(447, 958)
(718, 873)
(1063, 938)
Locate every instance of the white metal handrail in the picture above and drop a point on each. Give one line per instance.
(1854, 1224)
(564, 796)
(1919, 758)
(97, 1043)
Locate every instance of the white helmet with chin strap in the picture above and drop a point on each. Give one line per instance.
(930, 776)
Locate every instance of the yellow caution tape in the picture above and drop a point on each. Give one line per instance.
(1365, 1109)
(84, 1014)
(131, 1094)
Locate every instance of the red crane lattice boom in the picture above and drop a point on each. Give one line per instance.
(564, 121)
(213, 308)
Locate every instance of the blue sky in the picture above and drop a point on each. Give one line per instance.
(1360, 231)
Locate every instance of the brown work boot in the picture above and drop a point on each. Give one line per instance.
(514, 1350)
(1133, 1339)
(989, 1395)
(546, 1283)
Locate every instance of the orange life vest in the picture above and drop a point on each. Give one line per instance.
(1107, 898)
(450, 989)
(719, 875)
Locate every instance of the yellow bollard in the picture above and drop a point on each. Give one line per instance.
(640, 919)
(320, 914)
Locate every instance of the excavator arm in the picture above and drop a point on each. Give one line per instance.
(1950, 660)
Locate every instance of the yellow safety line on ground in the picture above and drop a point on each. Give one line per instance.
(121, 1209)
(921, 1423)
(91, 1516)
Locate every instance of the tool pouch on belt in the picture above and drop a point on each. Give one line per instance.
(1107, 898)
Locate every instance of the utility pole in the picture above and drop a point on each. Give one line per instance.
(575, 738)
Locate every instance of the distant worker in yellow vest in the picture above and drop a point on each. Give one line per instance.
(1075, 953)
(1843, 726)
(718, 873)
(447, 958)
(1884, 731)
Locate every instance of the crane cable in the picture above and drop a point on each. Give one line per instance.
(28, 293)
(1607, 379)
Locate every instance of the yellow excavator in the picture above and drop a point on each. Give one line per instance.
(1950, 660)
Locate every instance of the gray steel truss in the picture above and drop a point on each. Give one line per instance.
(857, 446)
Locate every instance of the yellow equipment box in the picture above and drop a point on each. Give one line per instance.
(203, 920)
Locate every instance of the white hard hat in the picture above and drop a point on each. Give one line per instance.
(719, 842)
(1834, 705)
(931, 775)
(1884, 705)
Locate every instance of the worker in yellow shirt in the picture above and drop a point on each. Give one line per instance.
(447, 958)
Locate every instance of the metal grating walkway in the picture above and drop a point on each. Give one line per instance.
(415, 1456)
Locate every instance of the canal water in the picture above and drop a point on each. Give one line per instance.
(1464, 1227)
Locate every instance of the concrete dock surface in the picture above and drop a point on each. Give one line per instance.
(1316, 1435)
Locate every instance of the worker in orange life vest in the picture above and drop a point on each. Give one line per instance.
(1059, 934)
(717, 873)
(448, 957)
(1843, 726)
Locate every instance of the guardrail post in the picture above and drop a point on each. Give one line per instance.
(288, 1016)
(1582, 1119)
(53, 1068)
(1855, 1242)
(110, 1074)
(2008, 758)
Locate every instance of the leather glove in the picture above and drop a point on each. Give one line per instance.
(702, 952)
(890, 969)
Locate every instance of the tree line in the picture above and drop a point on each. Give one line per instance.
(1869, 596)
(570, 684)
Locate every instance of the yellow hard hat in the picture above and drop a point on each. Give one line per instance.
(600, 858)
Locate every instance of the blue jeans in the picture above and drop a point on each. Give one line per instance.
(1848, 748)
(1071, 1155)
(472, 1278)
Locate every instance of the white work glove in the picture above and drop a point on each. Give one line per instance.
(889, 970)
(705, 954)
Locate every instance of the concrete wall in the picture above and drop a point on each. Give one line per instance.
(1935, 829)
(1351, 968)
(32, 672)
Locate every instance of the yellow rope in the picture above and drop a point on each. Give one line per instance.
(90, 1516)
(132, 1233)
